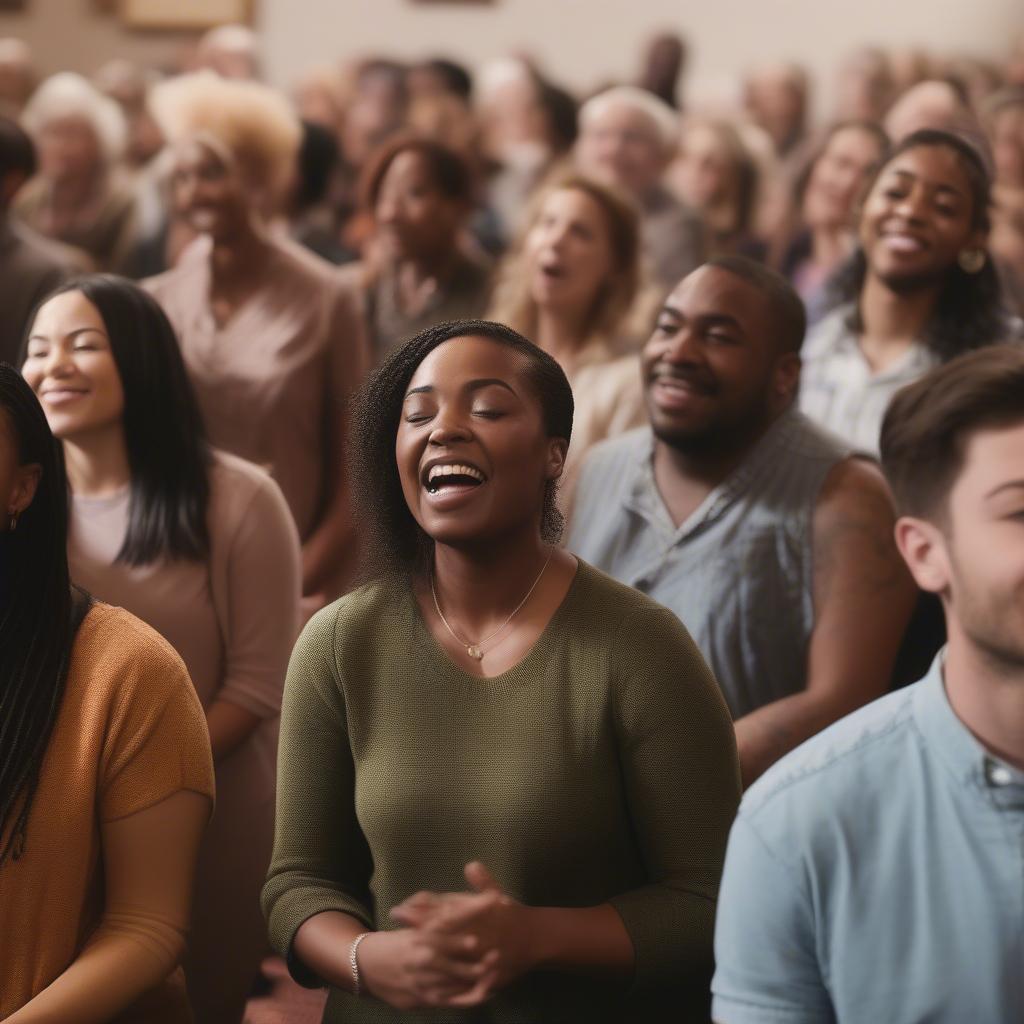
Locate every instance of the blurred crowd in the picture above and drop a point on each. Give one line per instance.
(198, 271)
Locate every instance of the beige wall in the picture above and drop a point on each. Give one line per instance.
(74, 35)
(580, 42)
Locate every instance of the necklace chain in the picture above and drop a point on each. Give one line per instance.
(476, 651)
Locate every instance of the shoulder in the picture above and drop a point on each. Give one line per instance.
(240, 490)
(855, 484)
(830, 776)
(616, 453)
(115, 652)
(639, 623)
(180, 277)
(828, 334)
(364, 619)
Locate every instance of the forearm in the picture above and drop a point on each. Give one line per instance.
(328, 552)
(584, 939)
(322, 943)
(770, 732)
(230, 726)
(127, 956)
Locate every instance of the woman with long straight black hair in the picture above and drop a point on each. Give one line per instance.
(106, 781)
(201, 546)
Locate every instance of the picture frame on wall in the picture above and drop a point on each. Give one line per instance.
(184, 14)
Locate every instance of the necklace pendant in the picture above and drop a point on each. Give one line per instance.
(474, 652)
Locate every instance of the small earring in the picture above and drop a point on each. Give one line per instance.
(971, 260)
(14, 521)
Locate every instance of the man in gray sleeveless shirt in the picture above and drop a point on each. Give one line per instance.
(772, 544)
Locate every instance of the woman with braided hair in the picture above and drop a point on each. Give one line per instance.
(106, 780)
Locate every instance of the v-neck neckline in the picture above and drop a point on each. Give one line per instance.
(522, 669)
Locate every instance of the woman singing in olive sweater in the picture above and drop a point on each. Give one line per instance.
(490, 715)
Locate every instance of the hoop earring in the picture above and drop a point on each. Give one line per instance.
(971, 260)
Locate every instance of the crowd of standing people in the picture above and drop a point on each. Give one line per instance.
(518, 555)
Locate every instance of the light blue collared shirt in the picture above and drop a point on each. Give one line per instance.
(876, 876)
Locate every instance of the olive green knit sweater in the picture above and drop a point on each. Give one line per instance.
(602, 768)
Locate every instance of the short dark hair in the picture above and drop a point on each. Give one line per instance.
(17, 153)
(457, 80)
(449, 171)
(928, 423)
(394, 542)
(790, 315)
(168, 455)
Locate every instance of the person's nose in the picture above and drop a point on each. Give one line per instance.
(683, 348)
(58, 362)
(911, 206)
(450, 426)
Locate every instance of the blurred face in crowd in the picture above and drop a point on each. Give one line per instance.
(209, 189)
(775, 98)
(918, 217)
(569, 252)
(926, 105)
(622, 146)
(704, 170)
(1007, 136)
(415, 219)
(864, 87)
(70, 366)
(838, 177)
(1006, 241)
(714, 373)
(976, 556)
(68, 149)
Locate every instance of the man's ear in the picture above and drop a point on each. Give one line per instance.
(786, 377)
(923, 547)
(558, 449)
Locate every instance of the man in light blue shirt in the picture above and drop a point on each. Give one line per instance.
(876, 874)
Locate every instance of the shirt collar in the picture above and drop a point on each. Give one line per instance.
(953, 743)
(644, 498)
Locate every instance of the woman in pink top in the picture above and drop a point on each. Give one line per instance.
(200, 545)
(270, 333)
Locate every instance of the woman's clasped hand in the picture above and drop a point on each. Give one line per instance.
(455, 949)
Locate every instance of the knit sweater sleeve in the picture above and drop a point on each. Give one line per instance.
(681, 773)
(321, 860)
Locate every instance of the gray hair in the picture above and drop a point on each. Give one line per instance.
(664, 120)
(70, 95)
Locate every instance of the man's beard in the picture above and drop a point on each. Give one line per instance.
(718, 437)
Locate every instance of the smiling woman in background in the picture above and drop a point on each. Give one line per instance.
(489, 710)
(571, 284)
(105, 774)
(919, 289)
(270, 335)
(200, 545)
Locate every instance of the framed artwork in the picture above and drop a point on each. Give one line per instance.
(184, 14)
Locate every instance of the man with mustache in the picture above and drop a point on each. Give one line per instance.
(768, 538)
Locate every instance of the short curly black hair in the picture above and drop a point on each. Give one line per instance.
(394, 543)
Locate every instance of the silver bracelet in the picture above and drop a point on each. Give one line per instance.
(353, 962)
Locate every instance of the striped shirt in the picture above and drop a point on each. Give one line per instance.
(739, 571)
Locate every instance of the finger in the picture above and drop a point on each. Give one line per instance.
(479, 993)
(479, 878)
(459, 913)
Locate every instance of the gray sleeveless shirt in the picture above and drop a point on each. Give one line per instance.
(739, 571)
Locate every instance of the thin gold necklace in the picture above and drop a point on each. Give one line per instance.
(476, 651)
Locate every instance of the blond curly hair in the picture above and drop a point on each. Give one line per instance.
(251, 121)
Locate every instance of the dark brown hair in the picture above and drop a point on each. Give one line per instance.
(449, 171)
(928, 423)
